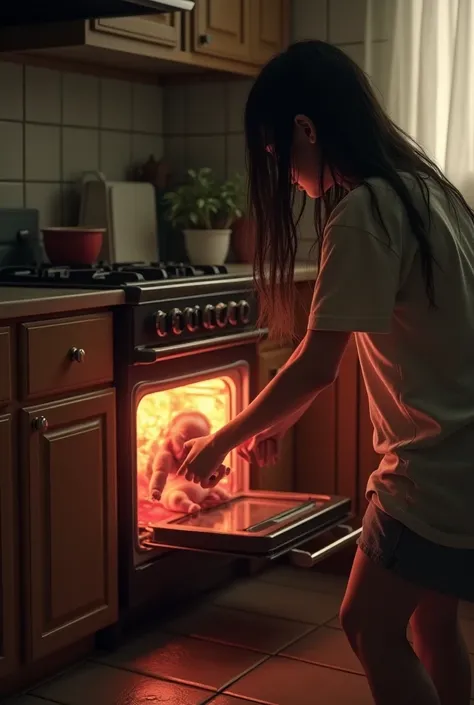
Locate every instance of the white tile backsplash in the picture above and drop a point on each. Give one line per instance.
(205, 108)
(11, 91)
(236, 155)
(47, 199)
(115, 154)
(42, 152)
(174, 153)
(42, 95)
(80, 152)
(309, 19)
(11, 151)
(146, 146)
(174, 102)
(80, 100)
(11, 195)
(207, 151)
(116, 104)
(147, 110)
(237, 93)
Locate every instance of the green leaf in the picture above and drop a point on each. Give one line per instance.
(194, 218)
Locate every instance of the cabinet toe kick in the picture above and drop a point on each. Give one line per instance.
(325, 544)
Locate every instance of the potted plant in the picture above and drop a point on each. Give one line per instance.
(205, 210)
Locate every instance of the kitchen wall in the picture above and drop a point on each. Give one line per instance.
(54, 125)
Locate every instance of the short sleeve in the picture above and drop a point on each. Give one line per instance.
(359, 273)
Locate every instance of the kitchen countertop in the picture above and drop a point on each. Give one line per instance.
(22, 302)
(304, 271)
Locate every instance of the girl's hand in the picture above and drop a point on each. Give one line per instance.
(263, 449)
(204, 462)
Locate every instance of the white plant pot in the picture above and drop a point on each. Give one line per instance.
(207, 246)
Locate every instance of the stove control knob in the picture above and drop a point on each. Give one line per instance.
(161, 324)
(177, 321)
(222, 314)
(191, 318)
(209, 317)
(232, 313)
(244, 311)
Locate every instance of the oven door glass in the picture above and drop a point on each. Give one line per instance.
(265, 524)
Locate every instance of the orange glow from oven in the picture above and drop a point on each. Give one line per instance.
(213, 398)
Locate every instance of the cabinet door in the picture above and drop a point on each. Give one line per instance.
(163, 29)
(270, 27)
(279, 476)
(9, 623)
(71, 520)
(222, 28)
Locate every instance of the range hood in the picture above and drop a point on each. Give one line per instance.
(39, 11)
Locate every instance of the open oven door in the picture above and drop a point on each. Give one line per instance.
(263, 525)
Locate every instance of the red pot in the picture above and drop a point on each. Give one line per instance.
(73, 245)
(243, 240)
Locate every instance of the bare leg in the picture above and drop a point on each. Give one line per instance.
(178, 501)
(374, 615)
(440, 646)
(215, 497)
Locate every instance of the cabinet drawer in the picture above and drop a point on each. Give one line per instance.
(65, 354)
(5, 366)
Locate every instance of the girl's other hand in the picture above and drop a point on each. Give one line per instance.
(262, 450)
(204, 463)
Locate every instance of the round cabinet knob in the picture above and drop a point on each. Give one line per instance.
(77, 354)
(205, 39)
(209, 317)
(191, 318)
(232, 314)
(161, 324)
(40, 423)
(177, 321)
(244, 311)
(222, 314)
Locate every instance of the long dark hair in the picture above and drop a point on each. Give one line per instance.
(354, 136)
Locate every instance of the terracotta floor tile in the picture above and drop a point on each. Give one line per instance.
(326, 647)
(237, 628)
(93, 683)
(193, 661)
(229, 700)
(280, 601)
(27, 700)
(282, 681)
(306, 580)
(471, 657)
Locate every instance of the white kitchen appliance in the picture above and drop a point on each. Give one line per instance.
(127, 211)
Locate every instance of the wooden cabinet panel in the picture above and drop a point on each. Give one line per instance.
(5, 366)
(163, 29)
(70, 498)
(270, 28)
(9, 622)
(279, 476)
(66, 354)
(222, 28)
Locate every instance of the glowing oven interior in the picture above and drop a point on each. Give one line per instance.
(166, 418)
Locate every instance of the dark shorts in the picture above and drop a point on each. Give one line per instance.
(392, 545)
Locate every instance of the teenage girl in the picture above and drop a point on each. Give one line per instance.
(396, 272)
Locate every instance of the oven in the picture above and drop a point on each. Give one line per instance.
(193, 366)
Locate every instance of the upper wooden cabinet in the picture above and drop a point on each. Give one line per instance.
(230, 36)
(164, 30)
(269, 28)
(222, 28)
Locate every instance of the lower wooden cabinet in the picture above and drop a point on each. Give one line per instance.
(279, 476)
(69, 509)
(9, 613)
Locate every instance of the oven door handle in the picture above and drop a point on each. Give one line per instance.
(308, 558)
(144, 355)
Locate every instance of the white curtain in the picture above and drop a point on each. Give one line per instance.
(431, 89)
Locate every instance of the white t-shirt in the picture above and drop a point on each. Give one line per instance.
(417, 362)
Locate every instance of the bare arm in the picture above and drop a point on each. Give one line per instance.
(313, 367)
